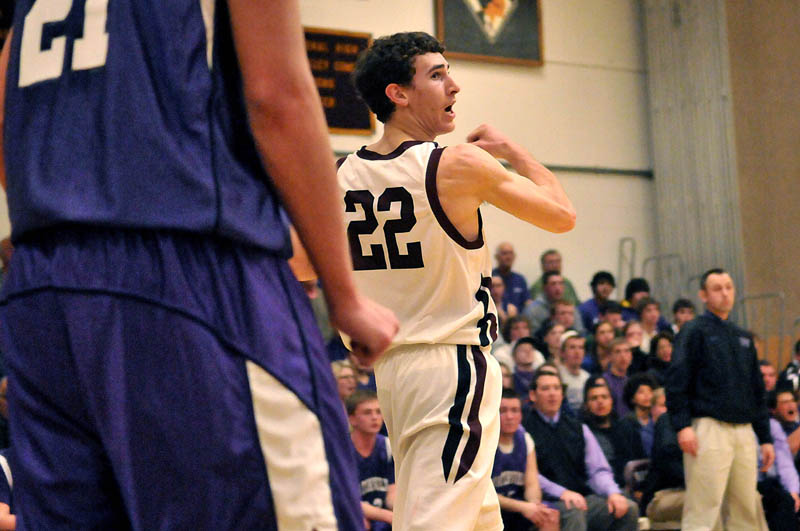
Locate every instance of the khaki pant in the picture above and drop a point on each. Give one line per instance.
(725, 470)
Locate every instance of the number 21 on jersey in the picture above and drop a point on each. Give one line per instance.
(88, 51)
(376, 259)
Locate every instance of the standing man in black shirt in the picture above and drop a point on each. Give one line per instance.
(715, 396)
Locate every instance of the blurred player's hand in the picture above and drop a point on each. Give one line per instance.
(8, 522)
(491, 140)
(371, 327)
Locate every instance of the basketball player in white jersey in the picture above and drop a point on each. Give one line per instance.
(414, 226)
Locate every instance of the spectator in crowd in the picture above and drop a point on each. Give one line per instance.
(683, 311)
(617, 374)
(574, 468)
(792, 371)
(619, 441)
(664, 489)
(660, 356)
(365, 377)
(649, 311)
(638, 394)
(508, 376)
(551, 263)
(574, 377)
(505, 309)
(514, 329)
(602, 285)
(612, 312)
(345, 378)
(768, 374)
(783, 406)
(374, 457)
(599, 346)
(635, 290)
(564, 313)
(716, 399)
(541, 308)
(550, 342)
(516, 291)
(550, 368)
(526, 360)
(659, 403)
(515, 473)
(634, 335)
(779, 486)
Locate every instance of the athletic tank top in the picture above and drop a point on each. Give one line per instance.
(508, 471)
(130, 114)
(408, 256)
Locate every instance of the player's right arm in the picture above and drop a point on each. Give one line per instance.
(289, 128)
(535, 195)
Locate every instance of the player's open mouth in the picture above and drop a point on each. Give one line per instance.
(449, 109)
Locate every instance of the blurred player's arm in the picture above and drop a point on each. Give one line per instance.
(3, 70)
(535, 195)
(289, 128)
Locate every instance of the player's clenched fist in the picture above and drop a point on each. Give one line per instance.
(371, 327)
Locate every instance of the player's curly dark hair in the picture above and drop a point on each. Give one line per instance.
(390, 60)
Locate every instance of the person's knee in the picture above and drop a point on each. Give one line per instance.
(572, 519)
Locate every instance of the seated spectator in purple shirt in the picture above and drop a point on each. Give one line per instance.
(782, 404)
(602, 285)
(574, 472)
(505, 309)
(638, 394)
(598, 348)
(619, 441)
(779, 486)
(515, 474)
(617, 373)
(516, 286)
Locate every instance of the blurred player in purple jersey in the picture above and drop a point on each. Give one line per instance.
(165, 370)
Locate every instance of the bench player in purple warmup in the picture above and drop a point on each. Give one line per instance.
(165, 370)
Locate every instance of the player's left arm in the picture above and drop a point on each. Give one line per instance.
(3, 71)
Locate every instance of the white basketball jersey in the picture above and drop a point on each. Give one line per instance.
(408, 256)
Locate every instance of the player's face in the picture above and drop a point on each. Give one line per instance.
(786, 409)
(719, 293)
(621, 357)
(770, 376)
(510, 415)
(431, 94)
(659, 408)
(604, 334)
(574, 350)
(549, 394)
(598, 401)
(634, 335)
(643, 397)
(346, 382)
(664, 350)
(683, 315)
(367, 417)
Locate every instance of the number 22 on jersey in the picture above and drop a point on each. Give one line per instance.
(88, 51)
(391, 228)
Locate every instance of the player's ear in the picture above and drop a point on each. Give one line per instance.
(396, 94)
